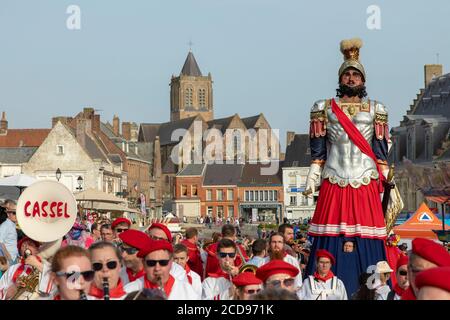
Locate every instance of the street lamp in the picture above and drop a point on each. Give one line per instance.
(80, 183)
(58, 174)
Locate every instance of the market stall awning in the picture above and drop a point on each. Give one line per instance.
(98, 196)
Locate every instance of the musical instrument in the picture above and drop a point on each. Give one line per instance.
(105, 289)
(248, 268)
(83, 295)
(161, 287)
(27, 290)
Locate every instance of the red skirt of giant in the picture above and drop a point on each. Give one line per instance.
(348, 211)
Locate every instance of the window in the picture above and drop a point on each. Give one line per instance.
(183, 190)
(194, 190)
(261, 195)
(275, 195)
(202, 97)
(304, 201)
(251, 196)
(266, 195)
(230, 194)
(293, 201)
(230, 211)
(270, 195)
(219, 195)
(247, 196)
(210, 211)
(208, 195)
(256, 196)
(220, 211)
(188, 97)
(59, 150)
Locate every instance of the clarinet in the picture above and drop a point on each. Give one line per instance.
(161, 287)
(105, 289)
(83, 295)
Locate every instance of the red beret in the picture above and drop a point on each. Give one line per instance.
(154, 245)
(322, 253)
(163, 227)
(246, 279)
(26, 239)
(134, 238)
(276, 267)
(120, 220)
(431, 251)
(402, 261)
(434, 277)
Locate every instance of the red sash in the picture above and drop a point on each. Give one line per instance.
(357, 138)
(167, 287)
(132, 277)
(187, 273)
(399, 291)
(117, 292)
(329, 276)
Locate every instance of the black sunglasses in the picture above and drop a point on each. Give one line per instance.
(87, 275)
(111, 265)
(120, 230)
(224, 254)
(252, 291)
(152, 263)
(129, 250)
(286, 282)
(403, 273)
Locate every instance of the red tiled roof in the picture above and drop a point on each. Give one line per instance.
(23, 138)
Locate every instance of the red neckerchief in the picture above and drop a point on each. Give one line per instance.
(167, 288)
(324, 279)
(22, 268)
(188, 270)
(356, 137)
(399, 291)
(117, 292)
(409, 294)
(132, 277)
(220, 274)
(57, 297)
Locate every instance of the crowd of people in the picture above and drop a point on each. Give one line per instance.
(110, 260)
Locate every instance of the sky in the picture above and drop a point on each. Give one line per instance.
(274, 57)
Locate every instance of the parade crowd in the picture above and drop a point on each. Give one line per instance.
(110, 260)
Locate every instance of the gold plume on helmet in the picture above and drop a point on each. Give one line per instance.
(350, 49)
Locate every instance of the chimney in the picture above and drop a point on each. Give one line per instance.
(3, 124)
(126, 130)
(81, 132)
(432, 71)
(96, 123)
(290, 135)
(116, 123)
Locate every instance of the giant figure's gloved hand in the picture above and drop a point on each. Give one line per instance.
(315, 171)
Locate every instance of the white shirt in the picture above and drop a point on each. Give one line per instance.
(45, 285)
(8, 236)
(181, 290)
(332, 289)
(196, 283)
(382, 292)
(216, 289)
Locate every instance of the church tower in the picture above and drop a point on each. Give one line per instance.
(191, 93)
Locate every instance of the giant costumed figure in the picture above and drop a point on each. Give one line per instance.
(349, 139)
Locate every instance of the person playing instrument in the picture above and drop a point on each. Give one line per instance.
(30, 278)
(278, 274)
(349, 140)
(323, 285)
(195, 261)
(246, 285)
(218, 286)
(71, 273)
(212, 262)
(131, 242)
(158, 261)
(180, 256)
(106, 262)
(277, 252)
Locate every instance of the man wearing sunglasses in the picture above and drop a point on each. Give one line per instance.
(323, 285)
(131, 242)
(278, 274)
(425, 254)
(218, 286)
(158, 260)
(246, 285)
(402, 280)
(8, 233)
(118, 226)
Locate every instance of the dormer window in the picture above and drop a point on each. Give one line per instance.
(60, 150)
